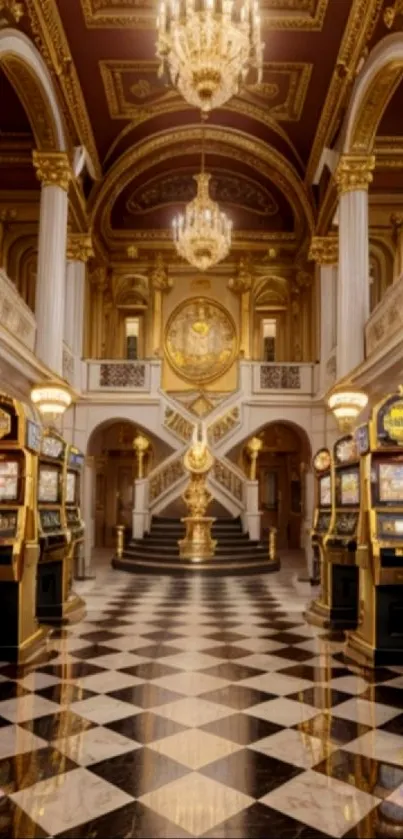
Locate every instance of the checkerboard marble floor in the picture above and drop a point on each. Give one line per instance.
(198, 707)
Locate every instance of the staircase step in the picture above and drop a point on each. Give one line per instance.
(226, 565)
(173, 550)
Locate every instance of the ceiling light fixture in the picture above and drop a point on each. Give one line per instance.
(346, 404)
(209, 47)
(203, 234)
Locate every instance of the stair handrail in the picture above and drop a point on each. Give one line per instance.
(172, 465)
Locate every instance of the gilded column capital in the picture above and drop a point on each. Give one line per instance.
(53, 168)
(324, 250)
(79, 247)
(242, 283)
(354, 172)
(160, 280)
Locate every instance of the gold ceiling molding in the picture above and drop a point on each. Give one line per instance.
(363, 18)
(14, 8)
(354, 172)
(233, 144)
(140, 14)
(324, 250)
(34, 101)
(373, 106)
(53, 169)
(51, 40)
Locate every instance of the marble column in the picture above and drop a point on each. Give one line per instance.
(54, 171)
(79, 250)
(325, 252)
(241, 285)
(353, 177)
(161, 283)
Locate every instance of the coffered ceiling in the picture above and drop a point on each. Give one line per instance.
(262, 148)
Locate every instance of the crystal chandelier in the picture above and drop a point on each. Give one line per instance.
(209, 47)
(202, 235)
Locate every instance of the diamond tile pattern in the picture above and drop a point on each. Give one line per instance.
(198, 708)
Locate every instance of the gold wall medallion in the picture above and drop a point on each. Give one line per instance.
(200, 340)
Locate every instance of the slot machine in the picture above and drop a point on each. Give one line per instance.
(54, 538)
(74, 463)
(337, 607)
(378, 638)
(20, 441)
(322, 509)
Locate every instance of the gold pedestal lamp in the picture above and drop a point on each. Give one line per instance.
(253, 446)
(141, 446)
(197, 544)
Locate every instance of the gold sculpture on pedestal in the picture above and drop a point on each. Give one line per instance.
(197, 544)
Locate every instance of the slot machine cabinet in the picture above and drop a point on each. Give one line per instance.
(322, 509)
(74, 523)
(54, 537)
(337, 607)
(20, 441)
(378, 638)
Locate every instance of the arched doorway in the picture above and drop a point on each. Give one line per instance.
(281, 472)
(114, 471)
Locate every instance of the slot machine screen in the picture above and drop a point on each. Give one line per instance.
(8, 480)
(349, 488)
(71, 484)
(325, 494)
(391, 483)
(48, 489)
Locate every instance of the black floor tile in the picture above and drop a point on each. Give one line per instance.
(250, 772)
(365, 773)
(135, 821)
(287, 638)
(394, 726)
(73, 670)
(241, 728)
(146, 727)
(140, 771)
(23, 770)
(55, 726)
(227, 652)
(232, 671)
(315, 674)
(237, 696)
(99, 636)
(294, 654)
(90, 652)
(321, 697)
(158, 651)
(260, 822)
(146, 696)
(150, 670)
(16, 824)
(332, 729)
(385, 695)
(65, 693)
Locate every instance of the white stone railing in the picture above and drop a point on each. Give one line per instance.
(121, 375)
(291, 378)
(15, 315)
(386, 320)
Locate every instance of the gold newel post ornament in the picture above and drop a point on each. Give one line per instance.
(197, 544)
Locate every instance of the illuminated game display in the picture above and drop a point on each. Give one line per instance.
(322, 512)
(54, 542)
(378, 639)
(350, 488)
(9, 472)
(325, 491)
(71, 482)
(74, 465)
(48, 485)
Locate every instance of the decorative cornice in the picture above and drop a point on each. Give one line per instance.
(50, 38)
(53, 168)
(354, 172)
(363, 18)
(79, 247)
(324, 250)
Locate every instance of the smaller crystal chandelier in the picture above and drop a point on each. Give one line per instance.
(346, 404)
(202, 235)
(209, 47)
(52, 400)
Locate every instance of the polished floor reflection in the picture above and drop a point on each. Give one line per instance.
(196, 707)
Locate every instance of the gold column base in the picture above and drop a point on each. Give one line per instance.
(318, 614)
(197, 544)
(359, 650)
(74, 609)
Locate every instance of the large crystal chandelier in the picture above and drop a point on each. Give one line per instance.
(202, 234)
(209, 47)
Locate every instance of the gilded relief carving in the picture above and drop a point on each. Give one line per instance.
(34, 100)
(279, 14)
(200, 341)
(134, 91)
(225, 187)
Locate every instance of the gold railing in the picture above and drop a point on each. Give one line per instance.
(228, 478)
(165, 477)
(179, 425)
(223, 425)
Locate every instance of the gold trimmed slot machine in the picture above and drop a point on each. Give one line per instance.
(378, 638)
(322, 509)
(54, 536)
(20, 442)
(337, 606)
(74, 463)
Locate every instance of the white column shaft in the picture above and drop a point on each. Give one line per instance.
(50, 290)
(353, 285)
(69, 309)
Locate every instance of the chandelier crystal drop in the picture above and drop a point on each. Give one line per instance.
(202, 235)
(209, 47)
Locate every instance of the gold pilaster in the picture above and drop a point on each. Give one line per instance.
(161, 283)
(53, 168)
(354, 172)
(241, 285)
(79, 247)
(324, 250)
